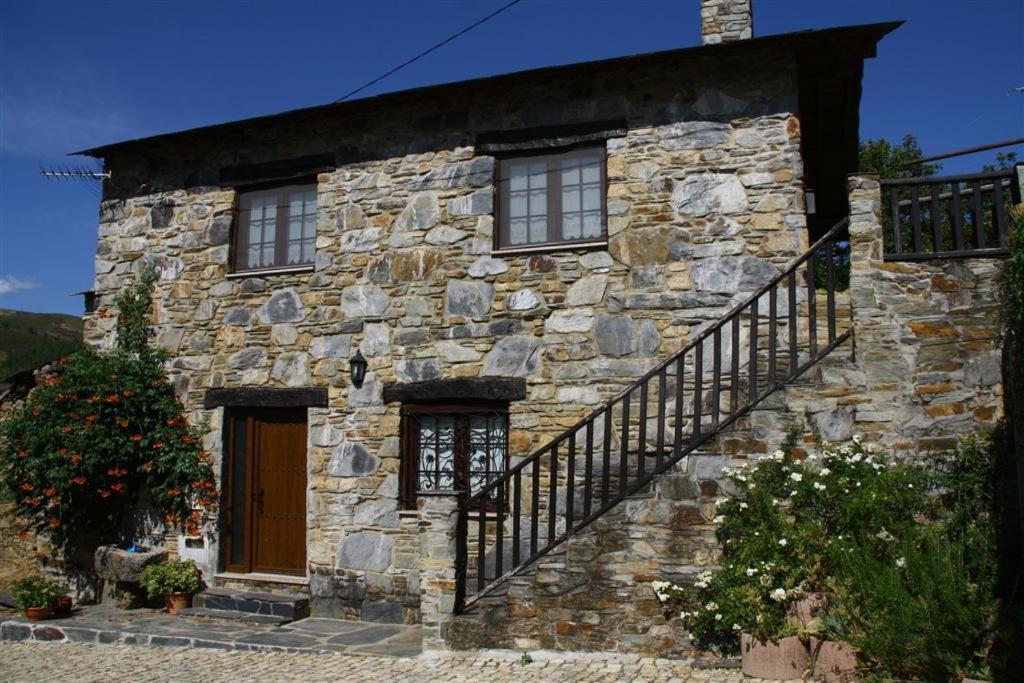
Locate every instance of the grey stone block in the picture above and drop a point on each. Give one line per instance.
(351, 459)
(284, 306)
(382, 611)
(11, 630)
(366, 550)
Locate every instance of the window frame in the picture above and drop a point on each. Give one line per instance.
(409, 456)
(240, 235)
(503, 226)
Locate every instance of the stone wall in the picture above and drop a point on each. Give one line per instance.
(921, 372)
(924, 370)
(17, 552)
(704, 203)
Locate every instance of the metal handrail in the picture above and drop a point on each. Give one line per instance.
(704, 335)
(665, 455)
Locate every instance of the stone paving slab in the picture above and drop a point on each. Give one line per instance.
(100, 624)
(91, 663)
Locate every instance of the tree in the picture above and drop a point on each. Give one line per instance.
(887, 160)
(1004, 162)
(103, 433)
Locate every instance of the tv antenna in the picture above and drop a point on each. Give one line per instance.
(74, 173)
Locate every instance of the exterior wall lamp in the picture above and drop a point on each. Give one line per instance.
(357, 366)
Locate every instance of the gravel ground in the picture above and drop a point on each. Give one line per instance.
(83, 663)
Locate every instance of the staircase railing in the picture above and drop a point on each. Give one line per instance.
(676, 407)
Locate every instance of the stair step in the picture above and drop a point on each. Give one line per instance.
(293, 606)
(205, 614)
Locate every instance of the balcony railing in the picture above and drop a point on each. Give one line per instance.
(948, 216)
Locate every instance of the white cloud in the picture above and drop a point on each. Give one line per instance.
(12, 283)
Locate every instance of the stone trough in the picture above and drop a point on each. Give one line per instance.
(121, 570)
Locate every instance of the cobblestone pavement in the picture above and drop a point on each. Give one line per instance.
(87, 663)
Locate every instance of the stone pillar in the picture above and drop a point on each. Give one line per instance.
(865, 196)
(438, 536)
(880, 351)
(723, 21)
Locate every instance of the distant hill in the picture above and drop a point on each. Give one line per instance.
(28, 340)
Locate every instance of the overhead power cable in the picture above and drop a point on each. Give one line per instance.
(429, 50)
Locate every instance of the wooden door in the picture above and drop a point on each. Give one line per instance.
(267, 492)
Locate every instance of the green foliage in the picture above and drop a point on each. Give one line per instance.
(903, 553)
(886, 159)
(102, 432)
(928, 615)
(963, 481)
(36, 591)
(171, 576)
(133, 308)
(525, 659)
(840, 268)
(780, 532)
(1004, 162)
(1011, 290)
(1009, 441)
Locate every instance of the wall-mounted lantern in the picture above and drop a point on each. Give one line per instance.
(357, 366)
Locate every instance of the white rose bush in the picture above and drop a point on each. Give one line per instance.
(790, 517)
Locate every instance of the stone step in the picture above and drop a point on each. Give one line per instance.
(205, 614)
(293, 606)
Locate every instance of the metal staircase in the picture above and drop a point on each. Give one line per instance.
(677, 407)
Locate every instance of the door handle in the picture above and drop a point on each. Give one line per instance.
(259, 502)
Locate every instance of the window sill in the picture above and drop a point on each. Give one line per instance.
(270, 271)
(547, 248)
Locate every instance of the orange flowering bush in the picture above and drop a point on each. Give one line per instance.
(101, 432)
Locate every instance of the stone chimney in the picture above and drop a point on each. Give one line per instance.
(723, 21)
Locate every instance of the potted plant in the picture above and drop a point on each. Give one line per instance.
(37, 596)
(176, 581)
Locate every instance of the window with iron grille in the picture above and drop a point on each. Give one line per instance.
(451, 448)
(552, 199)
(276, 228)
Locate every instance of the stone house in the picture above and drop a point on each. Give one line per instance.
(508, 255)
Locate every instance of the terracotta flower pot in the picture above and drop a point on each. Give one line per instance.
(833, 661)
(177, 601)
(38, 613)
(783, 660)
(807, 608)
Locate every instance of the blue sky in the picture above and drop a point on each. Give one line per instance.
(80, 74)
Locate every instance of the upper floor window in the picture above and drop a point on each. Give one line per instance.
(552, 199)
(276, 228)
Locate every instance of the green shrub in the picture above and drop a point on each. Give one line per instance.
(171, 576)
(36, 591)
(102, 432)
(779, 533)
(904, 553)
(927, 615)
